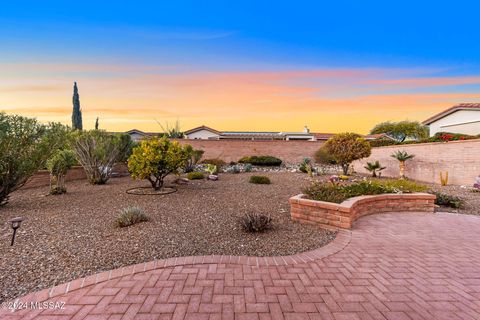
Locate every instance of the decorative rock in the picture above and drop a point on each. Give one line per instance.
(476, 185)
(212, 177)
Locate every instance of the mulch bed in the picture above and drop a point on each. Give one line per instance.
(73, 235)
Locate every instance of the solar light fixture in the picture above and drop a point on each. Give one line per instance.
(15, 222)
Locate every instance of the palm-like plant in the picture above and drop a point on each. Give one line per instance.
(402, 156)
(373, 167)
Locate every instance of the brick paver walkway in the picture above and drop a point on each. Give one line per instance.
(391, 266)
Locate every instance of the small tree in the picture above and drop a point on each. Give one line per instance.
(373, 167)
(77, 123)
(402, 157)
(197, 154)
(97, 151)
(156, 158)
(25, 146)
(58, 165)
(346, 148)
(401, 130)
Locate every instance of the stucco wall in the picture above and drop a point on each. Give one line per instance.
(202, 134)
(233, 150)
(461, 121)
(460, 158)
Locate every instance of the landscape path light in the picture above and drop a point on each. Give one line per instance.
(15, 223)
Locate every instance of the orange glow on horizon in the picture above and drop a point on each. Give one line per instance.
(327, 100)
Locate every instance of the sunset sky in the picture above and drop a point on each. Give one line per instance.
(243, 65)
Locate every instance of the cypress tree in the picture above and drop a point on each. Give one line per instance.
(96, 124)
(77, 111)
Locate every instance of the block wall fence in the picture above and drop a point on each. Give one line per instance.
(233, 150)
(461, 159)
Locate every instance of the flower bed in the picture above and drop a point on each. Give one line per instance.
(343, 215)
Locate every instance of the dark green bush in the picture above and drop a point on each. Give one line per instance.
(256, 222)
(129, 216)
(325, 192)
(447, 200)
(195, 175)
(259, 180)
(261, 160)
(383, 142)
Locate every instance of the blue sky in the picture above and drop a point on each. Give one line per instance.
(400, 40)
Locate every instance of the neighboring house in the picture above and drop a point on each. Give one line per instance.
(202, 132)
(138, 135)
(463, 118)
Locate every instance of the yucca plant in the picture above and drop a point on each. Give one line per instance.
(402, 156)
(373, 167)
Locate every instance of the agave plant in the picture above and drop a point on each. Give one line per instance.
(373, 167)
(402, 157)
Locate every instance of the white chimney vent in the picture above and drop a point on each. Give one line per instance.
(306, 130)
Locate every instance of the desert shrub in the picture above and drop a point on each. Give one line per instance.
(259, 180)
(195, 175)
(211, 168)
(325, 192)
(156, 158)
(338, 193)
(247, 167)
(322, 156)
(443, 199)
(98, 151)
(448, 136)
(261, 160)
(303, 167)
(216, 162)
(25, 146)
(58, 166)
(233, 169)
(346, 148)
(129, 216)
(256, 222)
(383, 142)
(197, 154)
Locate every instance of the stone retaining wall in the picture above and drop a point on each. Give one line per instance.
(343, 215)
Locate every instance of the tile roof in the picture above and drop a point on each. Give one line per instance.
(461, 106)
(202, 127)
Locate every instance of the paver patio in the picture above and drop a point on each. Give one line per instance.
(390, 266)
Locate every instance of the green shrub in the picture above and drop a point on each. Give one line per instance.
(447, 200)
(129, 216)
(247, 167)
(338, 193)
(25, 146)
(154, 159)
(346, 148)
(261, 160)
(58, 166)
(322, 156)
(325, 192)
(256, 222)
(383, 142)
(195, 175)
(259, 180)
(216, 162)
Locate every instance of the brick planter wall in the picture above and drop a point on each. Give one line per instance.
(343, 215)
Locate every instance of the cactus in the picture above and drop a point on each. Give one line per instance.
(443, 179)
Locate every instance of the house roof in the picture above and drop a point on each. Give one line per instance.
(140, 132)
(461, 106)
(202, 128)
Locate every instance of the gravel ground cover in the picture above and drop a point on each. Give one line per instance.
(471, 200)
(73, 235)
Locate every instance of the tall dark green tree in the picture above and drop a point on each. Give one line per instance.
(96, 124)
(77, 111)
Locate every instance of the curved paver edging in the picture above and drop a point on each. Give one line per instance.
(341, 240)
(343, 215)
